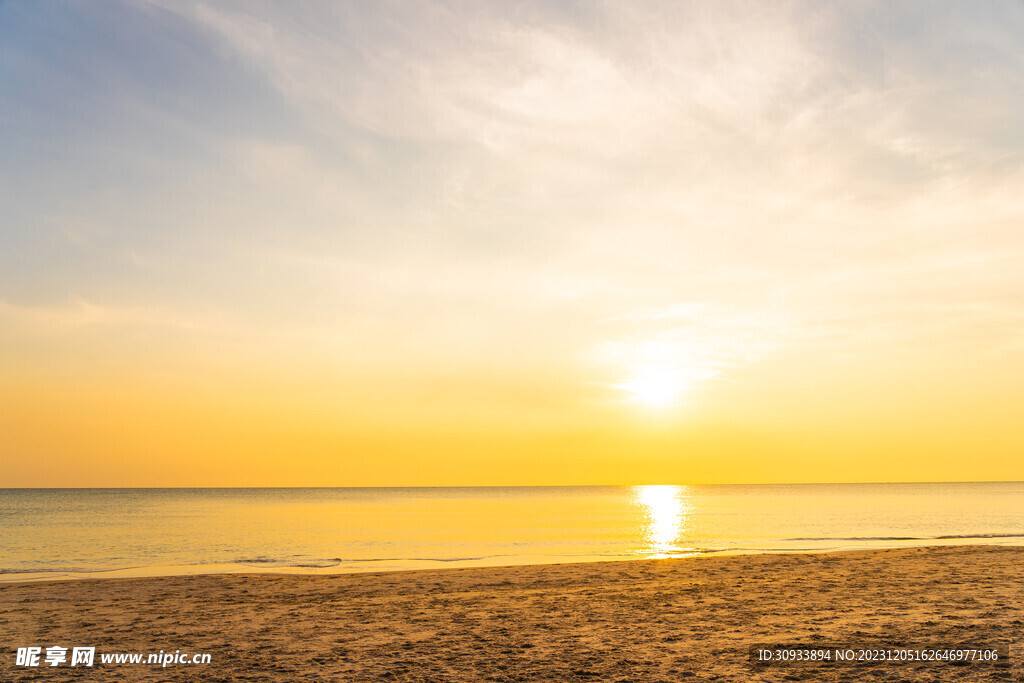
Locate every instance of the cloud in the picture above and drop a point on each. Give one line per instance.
(30, 321)
(463, 175)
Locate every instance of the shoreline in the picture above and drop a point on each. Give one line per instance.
(667, 619)
(342, 567)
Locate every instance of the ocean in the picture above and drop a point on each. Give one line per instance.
(74, 533)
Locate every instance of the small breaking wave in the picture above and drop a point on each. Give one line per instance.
(979, 536)
(283, 563)
(335, 561)
(903, 538)
(60, 570)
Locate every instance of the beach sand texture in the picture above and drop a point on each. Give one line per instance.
(648, 620)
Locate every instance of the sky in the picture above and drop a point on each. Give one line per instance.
(490, 243)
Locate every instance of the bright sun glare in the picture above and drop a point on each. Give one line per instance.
(658, 374)
(661, 386)
(654, 388)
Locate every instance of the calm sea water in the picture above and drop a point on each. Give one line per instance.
(55, 533)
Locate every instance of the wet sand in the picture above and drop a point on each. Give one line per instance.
(648, 620)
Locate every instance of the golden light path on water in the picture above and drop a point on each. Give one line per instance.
(668, 509)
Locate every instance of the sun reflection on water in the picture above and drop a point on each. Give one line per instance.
(667, 509)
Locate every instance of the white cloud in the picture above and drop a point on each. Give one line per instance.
(470, 172)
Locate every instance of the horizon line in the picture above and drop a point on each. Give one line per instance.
(504, 486)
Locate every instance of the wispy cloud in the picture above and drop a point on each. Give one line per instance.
(441, 182)
(32, 321)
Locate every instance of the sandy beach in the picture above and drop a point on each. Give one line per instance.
(651, 620)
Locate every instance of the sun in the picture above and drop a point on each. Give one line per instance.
(662, 385)
(659, 374)
(654, 387)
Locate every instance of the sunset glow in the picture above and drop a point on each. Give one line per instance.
(312, 243)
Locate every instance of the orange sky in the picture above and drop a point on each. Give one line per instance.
(420, 245)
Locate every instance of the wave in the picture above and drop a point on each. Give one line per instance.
(981, 536)
(335, 561)
(59, 570)
(903, 538)
(282, 562)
